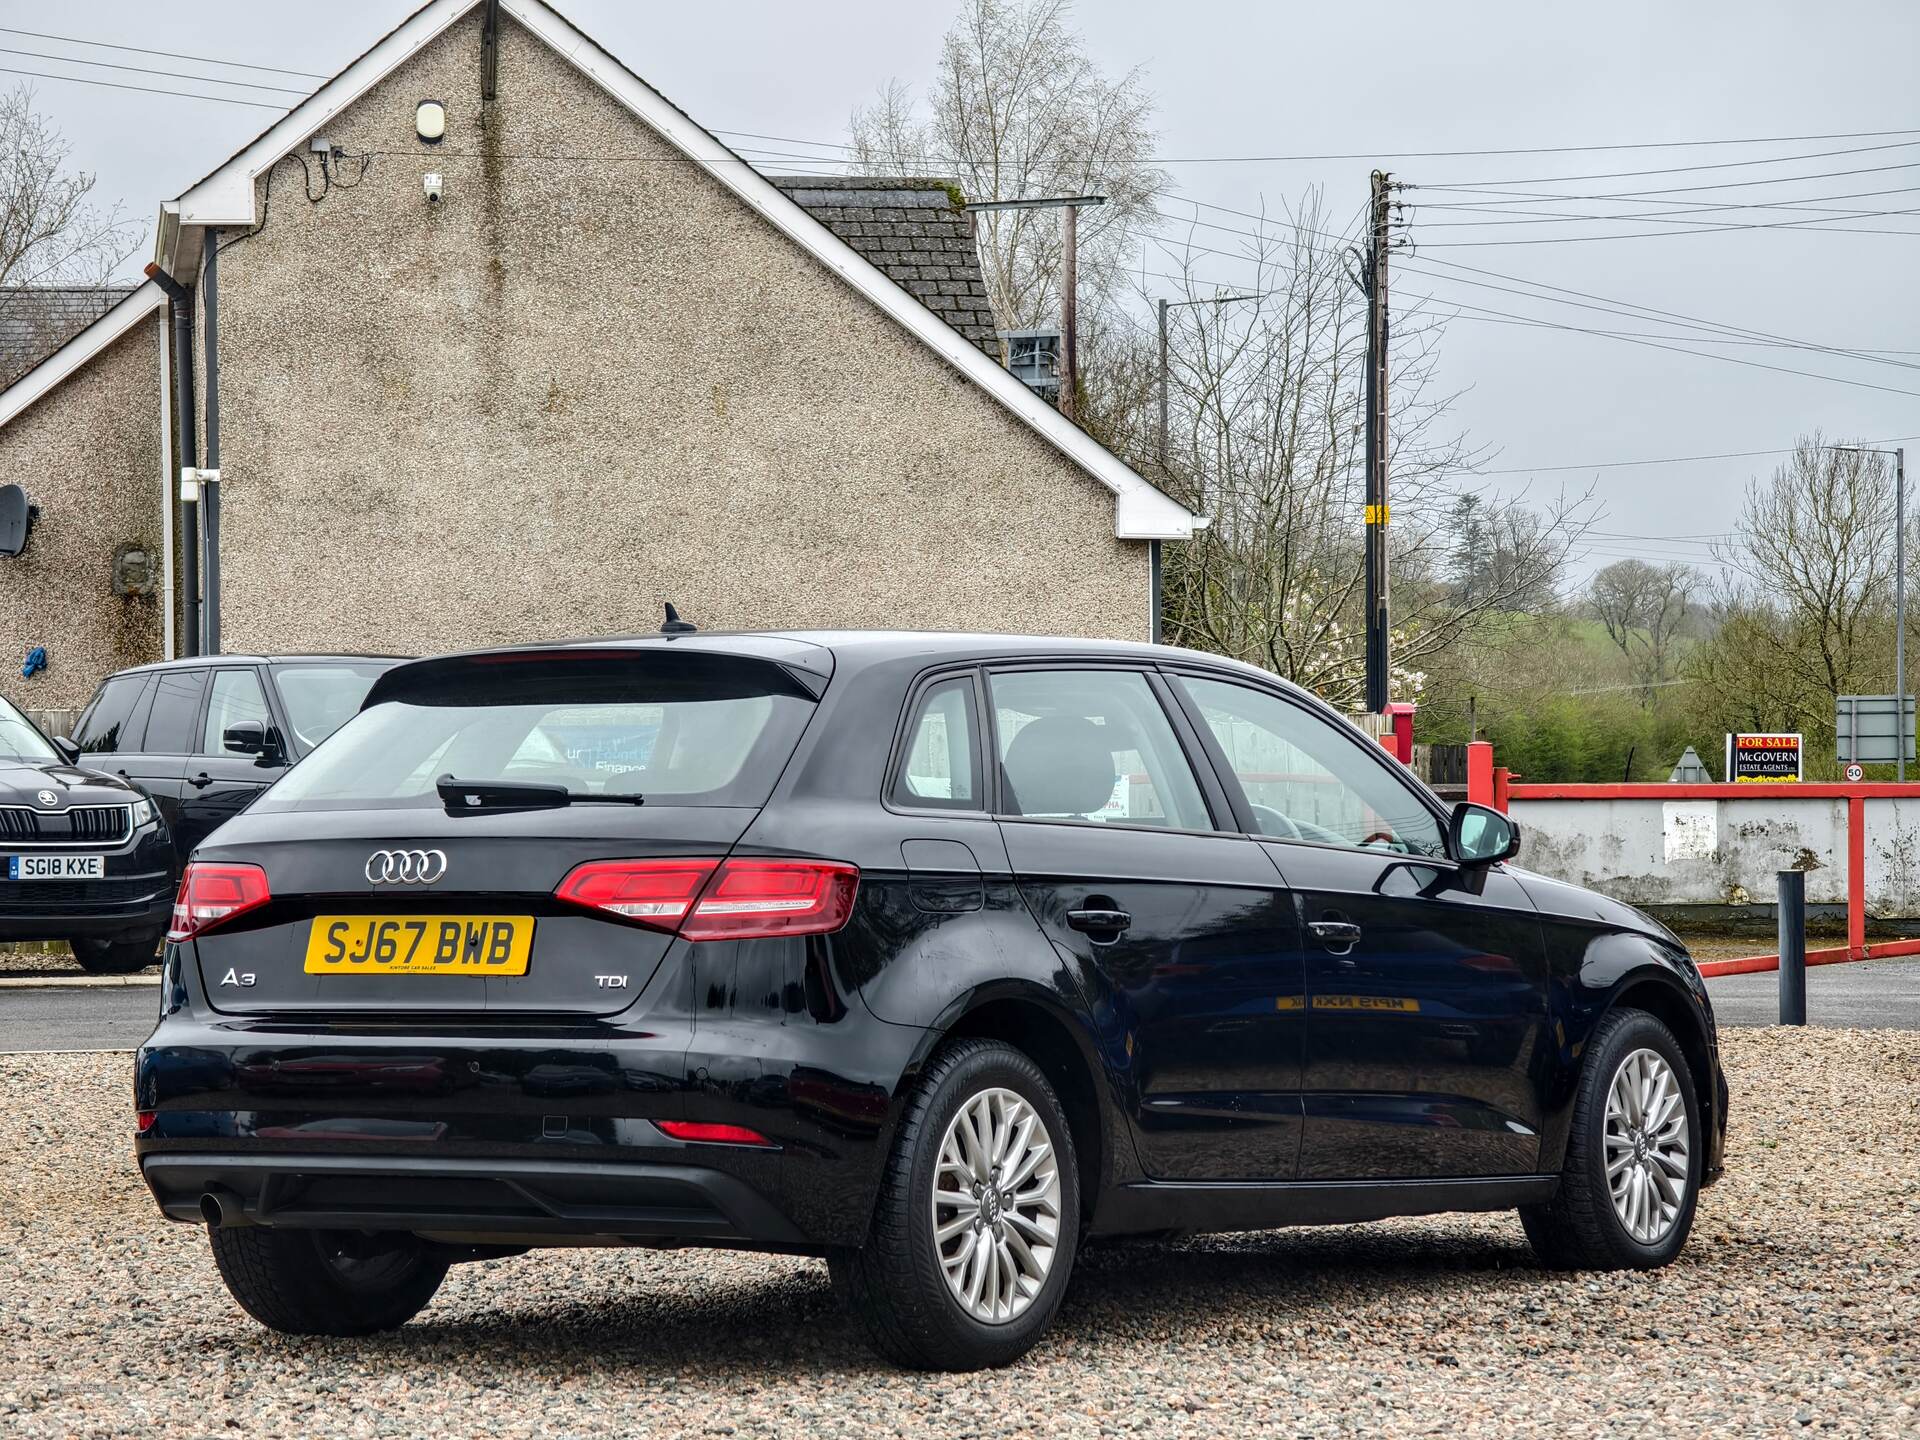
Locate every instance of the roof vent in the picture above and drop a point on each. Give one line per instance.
(1034, 358)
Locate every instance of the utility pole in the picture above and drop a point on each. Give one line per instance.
(1163, 307)
(1375, 271)
(1070, 312)
(1899, 595)
(1069, 281)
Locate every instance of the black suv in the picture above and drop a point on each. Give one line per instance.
(84, 857)
(928, 954)
(204, 736)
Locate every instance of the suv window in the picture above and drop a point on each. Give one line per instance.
(176, 706)
(1306, 778)
(236, 696)
(1092, 745)
(938, 767)
(320, 698)
(104, 730)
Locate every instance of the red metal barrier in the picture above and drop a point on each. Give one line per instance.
(1856, 796)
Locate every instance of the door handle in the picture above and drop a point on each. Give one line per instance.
(1339, 936)
(201, 781)
(1099, 922)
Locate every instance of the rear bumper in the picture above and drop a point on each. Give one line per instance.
(525, 1129)
(471, 1198)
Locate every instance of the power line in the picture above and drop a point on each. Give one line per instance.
(144, 70)
(173, 55)
(1671, 169)
(1699, 355)
(1666, 460)
(1504, 319)
(1685, 215)
(1674, 207)
(1636, 311)
(144, 89)
(1609, 305)
(1429, 154)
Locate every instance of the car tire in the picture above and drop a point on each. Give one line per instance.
(1625, 1221)
(115, 957)
(326, 1282)
(897, 1285)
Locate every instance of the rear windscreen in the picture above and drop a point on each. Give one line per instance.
(673, 732)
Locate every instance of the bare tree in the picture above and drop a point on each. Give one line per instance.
(1265, 437)
(1018, 111)
(1643, 608)
(51, 234)
(1814, 545)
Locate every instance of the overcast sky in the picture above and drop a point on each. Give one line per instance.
(1241, 77)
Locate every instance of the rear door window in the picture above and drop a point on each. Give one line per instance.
(1093, 746)
(236, 696)
(175, 717)
(106, 728)
(938, 768)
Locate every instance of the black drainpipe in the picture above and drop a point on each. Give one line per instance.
(180, 302)
(210, 338)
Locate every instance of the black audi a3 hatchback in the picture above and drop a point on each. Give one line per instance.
(932, 955)
(84, 857)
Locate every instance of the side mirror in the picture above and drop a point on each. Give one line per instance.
(1479, 836)
(254, 737)
(69, 751)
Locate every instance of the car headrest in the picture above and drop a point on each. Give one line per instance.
(1060, 765)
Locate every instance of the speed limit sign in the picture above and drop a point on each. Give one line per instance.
(1855, 773)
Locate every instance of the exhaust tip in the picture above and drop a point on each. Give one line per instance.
(221, 1209)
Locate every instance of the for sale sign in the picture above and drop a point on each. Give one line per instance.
(1762, 759)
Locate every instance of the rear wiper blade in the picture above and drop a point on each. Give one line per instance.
(460, 796)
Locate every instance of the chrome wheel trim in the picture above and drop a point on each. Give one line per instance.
(996, 1206)
(1647, 1146)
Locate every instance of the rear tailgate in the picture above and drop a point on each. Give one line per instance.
(410, 862)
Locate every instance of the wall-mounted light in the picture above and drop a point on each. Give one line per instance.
(430, 121)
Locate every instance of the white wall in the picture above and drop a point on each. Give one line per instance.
(1723, 852)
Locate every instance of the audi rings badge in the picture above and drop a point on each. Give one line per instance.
(406, 867)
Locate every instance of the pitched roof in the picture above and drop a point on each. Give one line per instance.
(915, 234)
(226, 197)
(129, 309)
(36, 320)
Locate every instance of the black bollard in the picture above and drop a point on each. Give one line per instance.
(1793, 947)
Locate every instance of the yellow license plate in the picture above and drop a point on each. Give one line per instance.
(419, 944)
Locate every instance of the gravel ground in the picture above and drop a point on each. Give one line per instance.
(37, 959)
(1794, 1309)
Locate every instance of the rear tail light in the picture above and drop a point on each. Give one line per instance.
(656, 893)
(212, 894)
(705, 899)
(712, 1134)
(143, 1121)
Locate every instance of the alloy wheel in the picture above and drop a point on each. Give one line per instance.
(996, 1205)
(1647, 1146)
